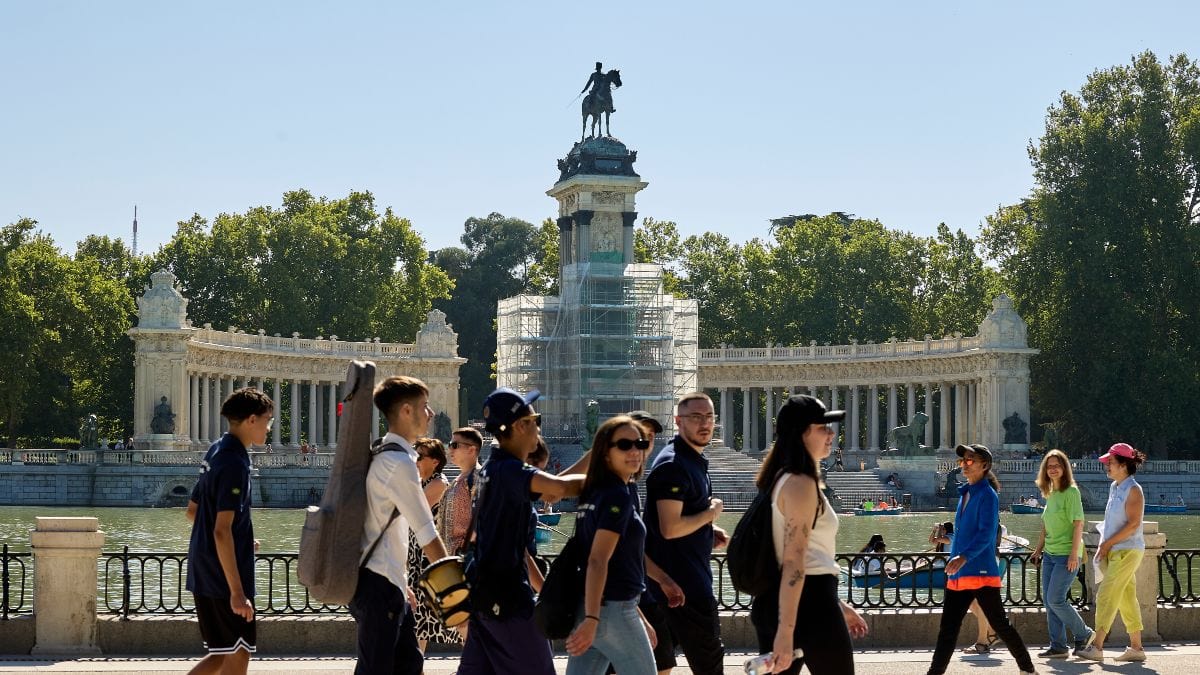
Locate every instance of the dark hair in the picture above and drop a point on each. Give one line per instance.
(245, 402)
(873, 544)
(436, 451)
(948, 527)
(396, 391)
(788, 455)
(688, 398)
(1131, 464)
(597, 468)
(542, 451)
(471, 434)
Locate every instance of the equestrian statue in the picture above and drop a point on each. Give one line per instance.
(599, 99)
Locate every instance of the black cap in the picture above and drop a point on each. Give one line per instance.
(504, 406)
(977, 448)
(643, 416)
(803, 410)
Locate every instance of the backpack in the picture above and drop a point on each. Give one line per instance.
(750, 554)
(331, 541)
(558, 605)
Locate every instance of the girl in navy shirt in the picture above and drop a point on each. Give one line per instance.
(612, 629)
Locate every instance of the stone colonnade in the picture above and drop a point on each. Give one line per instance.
(965, 387)
(195, 369)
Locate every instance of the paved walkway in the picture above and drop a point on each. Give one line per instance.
(1173, 659)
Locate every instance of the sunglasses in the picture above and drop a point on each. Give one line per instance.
(536, 417)
(454, 445)
(625, 444)
(963, 461)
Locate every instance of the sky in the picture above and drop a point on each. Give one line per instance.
(914, 113)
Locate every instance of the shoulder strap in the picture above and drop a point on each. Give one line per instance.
(390, 447)
(476, 502)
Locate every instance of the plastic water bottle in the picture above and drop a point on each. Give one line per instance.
(761, 664)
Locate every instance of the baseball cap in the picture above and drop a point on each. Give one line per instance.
(803, 410)
(977, 448)
(643, 416)
(1122, 449)
(504, 406)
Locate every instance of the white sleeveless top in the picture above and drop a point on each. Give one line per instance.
(822, 542)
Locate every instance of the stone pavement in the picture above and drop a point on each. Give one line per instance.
(1175, 659)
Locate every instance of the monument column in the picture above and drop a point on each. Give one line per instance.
(893, 408)
(193, 407)
(627, 220)
(294, 427)
(944, 408)
(278, 413)
(873, 418)
(833, 405)
(564, 243)
(972, 427)
(745, 419)
(960, 414)
(160, 364)
(770, 421)
(910, 401)
(928, 386)
(583, 235)
(852, 427)
(313, 439)
(205, 409)
(331, 428)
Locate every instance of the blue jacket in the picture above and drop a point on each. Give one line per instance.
(976, 522)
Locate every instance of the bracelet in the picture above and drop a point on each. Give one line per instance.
(591, 616)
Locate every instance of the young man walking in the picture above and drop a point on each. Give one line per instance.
(221, 551)
(387, 639)
(503, 637)
(680, 535)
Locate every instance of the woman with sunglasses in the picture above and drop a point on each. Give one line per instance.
(805, 612)
(431, 459)
(454, 510)
(612, 628)
(973, 571)
(1059, 551)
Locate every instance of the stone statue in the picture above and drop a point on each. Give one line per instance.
(593, 422)
(599, 99)
(1050, 440)
(1015, 430)
(441, 427)
(88, 438)
(951, 485)
(907, 440)
(164, 419)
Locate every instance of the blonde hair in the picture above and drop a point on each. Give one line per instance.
(1043, 478)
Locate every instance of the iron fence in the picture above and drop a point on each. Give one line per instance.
(1177, 570)
(16, 591)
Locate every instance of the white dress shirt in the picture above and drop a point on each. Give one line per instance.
(393, 483)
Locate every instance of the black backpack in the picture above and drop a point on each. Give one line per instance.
(750, 555)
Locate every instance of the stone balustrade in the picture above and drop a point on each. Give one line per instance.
(868, 350)
(167, 458)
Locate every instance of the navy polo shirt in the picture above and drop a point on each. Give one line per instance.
(611, 507)
(680, 473)
(224, 485)
(504, 532)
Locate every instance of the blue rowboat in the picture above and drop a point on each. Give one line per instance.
(1166, 508)
(1025, 508)
(549, 518)
(879, 512)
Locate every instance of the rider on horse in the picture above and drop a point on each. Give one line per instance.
(596, 82)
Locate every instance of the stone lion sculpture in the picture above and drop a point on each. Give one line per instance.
(906, 440)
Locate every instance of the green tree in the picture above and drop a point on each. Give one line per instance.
(658, 242)
(1102, 260)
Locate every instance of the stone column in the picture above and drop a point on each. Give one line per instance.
(331, 428)
(205, 409)
(226, 392)
(726, 418)
(65, 555)
(564, 244)
(745, 419)
(628, 220)
(893, 408)
(294, 427)
(194, 407)
(852, 427)
(278, 413)
(929, 414)
(1145, 579)
(944, 408)
(754, 398)
(770, 435)
(910, 402)
(833, 405)
(312, 413)
(583, 235)
(972, 429)
(960, 414)
(873, 418)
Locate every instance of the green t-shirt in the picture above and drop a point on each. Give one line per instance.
(1062, 510)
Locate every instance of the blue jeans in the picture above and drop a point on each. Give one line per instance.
(1061, 615)
(621, 639)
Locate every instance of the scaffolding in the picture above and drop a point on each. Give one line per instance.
(613, 336)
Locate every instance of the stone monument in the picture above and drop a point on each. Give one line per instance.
(160, 366)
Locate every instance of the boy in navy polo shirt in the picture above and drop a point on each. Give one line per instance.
(220, 571)
(502, 637)
(680, 535)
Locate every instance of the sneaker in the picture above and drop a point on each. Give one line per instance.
(977, 648)
(1132, 654)
(1055, 653)
(1084, 644)
(1091, 652)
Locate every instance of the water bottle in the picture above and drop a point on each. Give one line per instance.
(760, 664)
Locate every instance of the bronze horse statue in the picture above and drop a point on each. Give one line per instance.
(599, 100)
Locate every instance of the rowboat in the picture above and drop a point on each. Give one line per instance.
(1166, 508)
(549, 518)
(895, 511)
(1025, 508)
(922, 576)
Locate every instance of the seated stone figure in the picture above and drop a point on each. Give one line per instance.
(164, 419)
(906, 440)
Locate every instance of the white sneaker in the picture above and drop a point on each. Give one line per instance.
(1090, 652)
(1132, 654)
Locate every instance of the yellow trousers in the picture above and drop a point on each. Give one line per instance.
(1118, 591)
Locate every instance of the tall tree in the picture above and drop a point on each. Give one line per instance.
(1105, 257)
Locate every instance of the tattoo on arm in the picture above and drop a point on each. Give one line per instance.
(797, 577)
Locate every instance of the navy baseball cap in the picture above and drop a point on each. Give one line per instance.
(504, 406)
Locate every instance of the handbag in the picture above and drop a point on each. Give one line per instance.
(560, 602)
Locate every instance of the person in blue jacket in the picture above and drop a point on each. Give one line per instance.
(973, 571)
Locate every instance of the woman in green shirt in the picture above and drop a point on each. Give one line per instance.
(1060, 551)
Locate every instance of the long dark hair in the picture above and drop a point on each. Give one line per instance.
(788, 455)
(597, 469)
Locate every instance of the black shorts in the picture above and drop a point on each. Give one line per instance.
(223, 631)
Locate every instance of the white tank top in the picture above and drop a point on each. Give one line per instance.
(822, 542)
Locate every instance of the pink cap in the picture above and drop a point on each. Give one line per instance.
(1122, 449)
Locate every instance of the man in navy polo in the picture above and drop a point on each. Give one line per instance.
(220, 571)
(502, 637)
(680, 537)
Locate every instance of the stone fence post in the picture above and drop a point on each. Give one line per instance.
(1146, 580)
(65, 555)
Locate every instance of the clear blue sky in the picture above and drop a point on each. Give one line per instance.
(912, 113)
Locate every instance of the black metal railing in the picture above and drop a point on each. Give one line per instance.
(1177, 568)
(14, 582)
